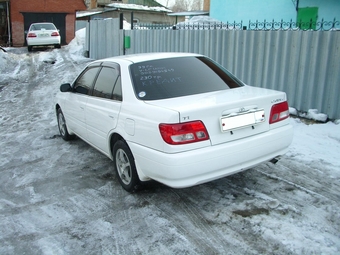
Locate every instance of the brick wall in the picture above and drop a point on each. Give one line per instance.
(42, 6)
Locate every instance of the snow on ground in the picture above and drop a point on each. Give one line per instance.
(63, 198)
(312, 142)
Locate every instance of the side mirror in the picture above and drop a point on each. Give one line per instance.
(66, 87)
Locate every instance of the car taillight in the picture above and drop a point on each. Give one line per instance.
(31, 35)
(55, 34)
(183, 133)
(279, 112)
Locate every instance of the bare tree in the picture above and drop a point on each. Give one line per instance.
(180, 5)
(197, 5)
(187, 5)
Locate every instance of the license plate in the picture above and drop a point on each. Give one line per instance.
(241, 120)
(44, 35)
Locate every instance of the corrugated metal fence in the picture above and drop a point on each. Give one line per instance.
(304, 64)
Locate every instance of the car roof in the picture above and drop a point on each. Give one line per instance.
(42, 23)
(135, 58)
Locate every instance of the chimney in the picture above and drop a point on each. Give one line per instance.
(206, 5)
(93, 4)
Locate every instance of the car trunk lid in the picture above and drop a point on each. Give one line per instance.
(227, 115)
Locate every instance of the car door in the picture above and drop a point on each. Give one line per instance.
(77, 99)
(102, 108)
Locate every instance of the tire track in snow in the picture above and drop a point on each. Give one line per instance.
(304, 209)
(317, 183)
(185, 216)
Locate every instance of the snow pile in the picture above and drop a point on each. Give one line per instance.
(7, 60)
(203, 19)
(76, 46)
(201, 22)
(13, 66)
(312, 114)
(126, 25)
(3, 60)
(17, 64)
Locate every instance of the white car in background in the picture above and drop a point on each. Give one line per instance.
(177, 118)
(43, 34)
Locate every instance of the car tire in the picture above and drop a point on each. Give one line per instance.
(62, 126)
(58, 46)
(125, 166)
(29, 48)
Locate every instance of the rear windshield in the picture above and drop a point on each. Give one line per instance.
(176, 77)
(43, 26)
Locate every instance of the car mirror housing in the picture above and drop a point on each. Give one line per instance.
(66, 87)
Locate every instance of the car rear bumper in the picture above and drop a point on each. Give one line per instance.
(194, 167)
(43, 41)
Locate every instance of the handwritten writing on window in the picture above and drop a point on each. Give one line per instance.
(151, 75)
(151, 70)
(161, 81)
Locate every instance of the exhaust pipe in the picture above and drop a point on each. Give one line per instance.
(275, 160)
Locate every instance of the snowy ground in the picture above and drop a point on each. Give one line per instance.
(64, 198)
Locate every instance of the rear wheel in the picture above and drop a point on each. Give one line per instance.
(58, 46)
(29, 48)
(62, 126)
(125, 166)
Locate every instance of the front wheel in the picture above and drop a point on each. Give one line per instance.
(62, 126)
(125, 166)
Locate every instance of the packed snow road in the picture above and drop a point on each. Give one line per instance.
(60, 197)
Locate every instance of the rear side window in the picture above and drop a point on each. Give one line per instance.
(176, 77)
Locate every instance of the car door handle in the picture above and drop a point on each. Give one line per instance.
(112, 117)
(81, 107)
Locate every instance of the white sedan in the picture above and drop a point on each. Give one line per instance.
(177, 118)
(43, 34)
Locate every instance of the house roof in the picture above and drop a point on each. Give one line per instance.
(118, 6)
(145, 2)
(189, 13)
(138, 7)
(81, 14)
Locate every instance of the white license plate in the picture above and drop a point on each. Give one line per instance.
(242, 120)
(44, 35)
